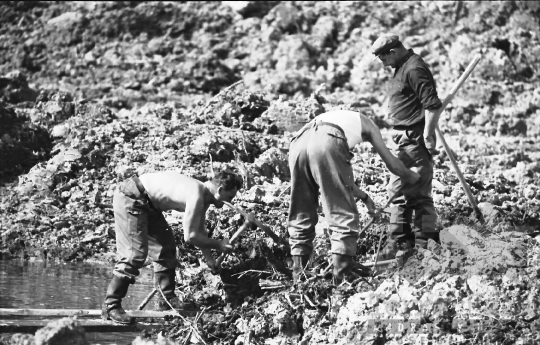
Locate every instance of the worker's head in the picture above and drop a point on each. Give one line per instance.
(389, 49)
(227, 185)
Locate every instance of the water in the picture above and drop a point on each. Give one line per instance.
(45, 285)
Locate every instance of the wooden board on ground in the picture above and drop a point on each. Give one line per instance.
(95, 325)
(82, 312)
(384, 263)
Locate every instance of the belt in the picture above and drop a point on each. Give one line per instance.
(143, 191)
(314, 123)
(414, 125)
(322, 123)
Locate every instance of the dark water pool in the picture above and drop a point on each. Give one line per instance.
(45, 285)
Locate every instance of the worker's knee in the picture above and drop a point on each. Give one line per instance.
(344, 245)
(165, 265)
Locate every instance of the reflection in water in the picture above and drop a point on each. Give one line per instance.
(46, 285)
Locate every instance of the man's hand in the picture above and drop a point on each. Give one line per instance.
(225, 247)
(214, 267)
(430, 143)
(370, 205)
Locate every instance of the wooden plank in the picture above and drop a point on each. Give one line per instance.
(83, 312)
(380, 263)
(31, 326)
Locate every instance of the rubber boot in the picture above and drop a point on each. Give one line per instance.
(167, 281)
(299, 263)
(421, 243)
(392, 247)
(344, 267)
(112, 307)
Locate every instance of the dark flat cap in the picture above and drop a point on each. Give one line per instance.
(384, 43)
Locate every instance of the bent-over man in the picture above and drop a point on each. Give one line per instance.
(141, 230)
(413, 111)
(319, 159)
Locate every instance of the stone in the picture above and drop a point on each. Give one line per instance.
(284, 16)
(60, 131)
(65, 19)
(530, 191)
(482, 285)
(484, 252)
(489, 211)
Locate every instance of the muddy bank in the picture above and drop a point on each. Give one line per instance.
(61, 209)
(96, 91)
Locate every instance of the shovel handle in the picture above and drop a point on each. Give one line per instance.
(233, 239)
(465, 75)
(380, 211)
(461, 178)
(264, 227)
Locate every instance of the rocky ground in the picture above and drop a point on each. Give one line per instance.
(92, 91)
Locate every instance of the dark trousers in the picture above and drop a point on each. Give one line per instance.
(413, 216)
(141, 232)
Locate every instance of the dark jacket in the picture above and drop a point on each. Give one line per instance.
(411, 89)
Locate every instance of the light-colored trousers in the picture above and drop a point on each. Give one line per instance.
(319, 159)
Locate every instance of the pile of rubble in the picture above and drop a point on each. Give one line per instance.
(118, 89)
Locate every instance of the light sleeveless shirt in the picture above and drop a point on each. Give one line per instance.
(349, 121)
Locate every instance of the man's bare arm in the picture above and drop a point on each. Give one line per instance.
(194, 232)
(432, 119)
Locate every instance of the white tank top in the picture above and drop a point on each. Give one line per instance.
(349, 121)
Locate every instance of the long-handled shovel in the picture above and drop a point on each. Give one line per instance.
(447, 100)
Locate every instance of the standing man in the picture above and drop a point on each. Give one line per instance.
(141, 230)
(319, 159)
(413, 111)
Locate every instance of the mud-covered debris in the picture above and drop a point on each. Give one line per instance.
(22, 143)
(64, 331)
(250, 9)
(235, 108)
(271, 164)
(14, 88)
(292, 115)
(485, 253)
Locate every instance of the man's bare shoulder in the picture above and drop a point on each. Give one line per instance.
(367, 124)
(172, 180)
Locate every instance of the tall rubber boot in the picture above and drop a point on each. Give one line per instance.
(299, 263)
(392, 247)
(167, 281)
(344, 266)
(112, 307)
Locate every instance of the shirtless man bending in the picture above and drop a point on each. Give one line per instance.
(141, 230)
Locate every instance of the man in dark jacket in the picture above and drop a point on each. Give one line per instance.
(413, 112)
